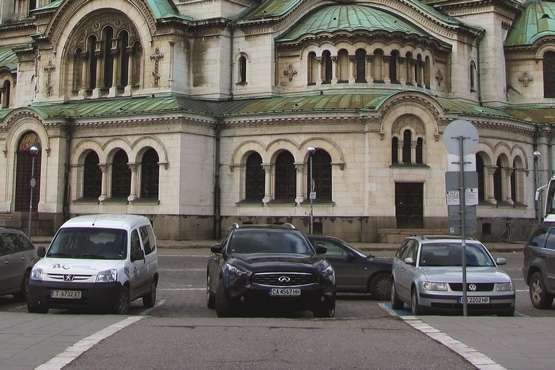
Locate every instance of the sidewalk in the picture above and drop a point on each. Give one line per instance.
(367, 247)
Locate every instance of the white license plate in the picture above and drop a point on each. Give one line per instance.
(475, 300)
(285, 292)
(65, 294)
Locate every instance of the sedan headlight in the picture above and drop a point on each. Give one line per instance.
(36, 274)
(327, 272)
(433, 286)
(107, 276)
(503, 287)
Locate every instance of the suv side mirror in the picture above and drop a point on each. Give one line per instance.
(409, 261)
(217, 249)
(41, 252)
(320, 249)
(501, 261)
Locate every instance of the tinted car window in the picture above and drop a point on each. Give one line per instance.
(333, 249)
(151, 237)
(550, 243)
(450, 254)
(268, 241)
(11, 243)
(538, 237)
(410, 250)
(3, 249)
(145, 237)
(89, 243)
(27, 245)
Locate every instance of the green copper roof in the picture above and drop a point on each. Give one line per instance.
(533, 113)
(348, 18)
(8, 59)
(536, 21)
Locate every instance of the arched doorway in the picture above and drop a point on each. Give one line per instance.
(24, 172)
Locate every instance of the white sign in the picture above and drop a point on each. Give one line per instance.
(471, 197)
(454, 166)
(453, 198)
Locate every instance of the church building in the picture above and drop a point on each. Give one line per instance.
(203, 113)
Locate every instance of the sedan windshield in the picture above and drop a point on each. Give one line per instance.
(268, 241)
(450, 254)
(89, 243)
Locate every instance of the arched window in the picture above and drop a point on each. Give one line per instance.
(343, 66)
(107, 36)
(481, 179)
(409, 62)
(427, 72)
(378, 66)
(24, 172)
(498, 181)
(312, 68)
(6, 94)
(150, 174)
(92, 177)
(393, 67)
(549, 74)
(91, 50)
(121, 175)
(407, 146)
(254, 178)
(321, 174)
(32, 4)
(394, 150)
(419, 150)
(124, 59)
(242, 72)
(285, 177)
(472, 76)
(418, 70)
(360, 58)
(326, 67)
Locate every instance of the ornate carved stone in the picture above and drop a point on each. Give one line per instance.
(156, 58)
(439, 77)
(290, 72)
(49, 69)
(525, 79)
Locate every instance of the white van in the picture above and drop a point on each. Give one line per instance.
(97, 261)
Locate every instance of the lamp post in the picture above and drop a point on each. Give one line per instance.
(34, 150)
(537, 183)
(312, 193)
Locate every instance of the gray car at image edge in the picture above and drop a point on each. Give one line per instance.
(17, 257)
(427, 274)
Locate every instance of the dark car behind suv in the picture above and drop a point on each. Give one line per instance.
(539, 265)
(273, 266)
(17, 257)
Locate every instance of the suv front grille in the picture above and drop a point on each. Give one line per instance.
(480, 287)
(283, 279)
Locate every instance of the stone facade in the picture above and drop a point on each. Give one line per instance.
(205, 84)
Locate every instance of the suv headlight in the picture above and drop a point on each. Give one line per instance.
(503, 287)
(433, 286)
(107, 276)
(327, 272)
(36, 274)
(234, 271)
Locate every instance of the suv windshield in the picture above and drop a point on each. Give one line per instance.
(89, 243)
(450, 254)
(268, 241)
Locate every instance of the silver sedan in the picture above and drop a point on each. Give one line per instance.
(427, 274)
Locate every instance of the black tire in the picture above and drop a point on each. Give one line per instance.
(24, 291)
(415, 307)
(396, 302)
(149, 300)
(121, 306)
(37, 308)
(224, 305)
(380, 287)
(325, 309)
(210, 297)
(538, 294)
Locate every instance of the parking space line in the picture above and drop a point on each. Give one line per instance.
(76, 350)
(522, 291)
(182, 289)
(182, 269)
(477, 359)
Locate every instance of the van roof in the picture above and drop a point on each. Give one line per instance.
(108, 221)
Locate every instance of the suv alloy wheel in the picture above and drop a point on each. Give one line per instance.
(538, 294)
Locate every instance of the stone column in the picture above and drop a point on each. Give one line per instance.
(299, 198)
(104, 187)
(115, 72)
(401, 70)
(2, 97)
(410, 71)
(369, 67)
(385, 69)
(129, 55)
(99, 74)
(85, 76)
(400, 152)
(267, 182)
(413, 152)
(334, 69)
(352, 68)
(488, 184)
(506, 184)
(134, 182)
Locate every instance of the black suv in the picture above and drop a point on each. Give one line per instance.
(272, 266)
(539, 265)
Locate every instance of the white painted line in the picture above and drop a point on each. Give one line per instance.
(159, 304)
(183, 269)
(522, 290)
(76, 350)
(182, 289)
(478, 359)
(184, 255)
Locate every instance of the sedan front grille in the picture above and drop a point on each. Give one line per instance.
(480, 287)
(283, 279)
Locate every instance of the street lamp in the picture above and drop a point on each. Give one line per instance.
(537, 179)
(312, 193)
(33, 150)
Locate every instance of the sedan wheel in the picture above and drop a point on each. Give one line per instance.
(538, 295)
(396, 302)
(380, 287)
(416, 309)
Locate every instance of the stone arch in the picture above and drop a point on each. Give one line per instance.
(81, 150)
(111, 146)
(142, 144)
(18, 123)
(502, 148)
(276, 146)
(487, 151)
(518, 151)
(239, 154)
(329, 146)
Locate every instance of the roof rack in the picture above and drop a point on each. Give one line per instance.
(429, 237)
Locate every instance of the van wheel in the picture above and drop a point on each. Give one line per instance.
(24, 292)
(149, 300)
(37, 308)
(122, 304)
(538, 294)
(396, 302)
(224, 305)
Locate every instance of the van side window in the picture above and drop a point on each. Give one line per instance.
(538, 237)
(550, 244)
(135, 244)
(152, 238)
(148, 240)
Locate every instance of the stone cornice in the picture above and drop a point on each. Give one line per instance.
(130, 121)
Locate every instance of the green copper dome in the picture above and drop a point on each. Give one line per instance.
(536, 21)
(350, 18)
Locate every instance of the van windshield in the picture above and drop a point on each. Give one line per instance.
(89, 243)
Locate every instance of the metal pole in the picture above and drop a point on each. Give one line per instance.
(31, 185)
(310, 196)
(462, 206)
